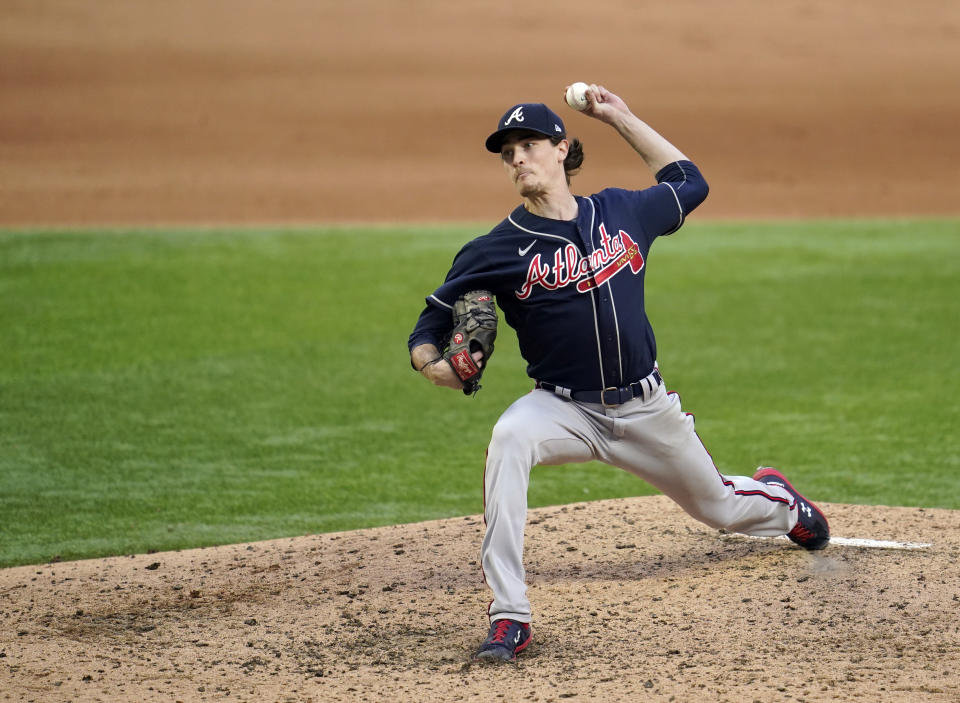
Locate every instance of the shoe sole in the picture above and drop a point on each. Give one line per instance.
(500, 654)
(491, 657)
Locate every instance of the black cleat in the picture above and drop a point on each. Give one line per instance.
(812, 530)
(506, 640)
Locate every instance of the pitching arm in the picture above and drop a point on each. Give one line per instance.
(609, 108)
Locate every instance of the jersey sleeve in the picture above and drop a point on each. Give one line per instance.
(688, 185)
(433, 326)
(471, 270)
(662, 209)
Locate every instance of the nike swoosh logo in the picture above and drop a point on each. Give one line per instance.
(523, 252)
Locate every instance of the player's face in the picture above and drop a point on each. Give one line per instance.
(533, 163)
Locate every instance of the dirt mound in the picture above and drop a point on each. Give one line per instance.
(632, 599)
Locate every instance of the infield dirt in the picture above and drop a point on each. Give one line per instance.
(633, 601)
(119, 112)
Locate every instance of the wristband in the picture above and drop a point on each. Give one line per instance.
(432, 361)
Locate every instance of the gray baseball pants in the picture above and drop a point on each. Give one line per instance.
(649, 436)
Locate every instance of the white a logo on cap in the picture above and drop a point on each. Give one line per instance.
(557, 127)
(515, 115)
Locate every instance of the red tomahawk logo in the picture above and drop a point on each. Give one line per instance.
(631, 255)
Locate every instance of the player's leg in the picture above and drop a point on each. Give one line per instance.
(539, 428)
(657, 442)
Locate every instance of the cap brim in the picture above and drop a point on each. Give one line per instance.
(495, 141)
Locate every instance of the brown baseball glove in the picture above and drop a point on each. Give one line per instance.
(474, 329)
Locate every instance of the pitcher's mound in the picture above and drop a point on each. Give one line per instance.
(633, 601)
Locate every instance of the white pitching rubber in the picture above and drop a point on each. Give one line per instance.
(855, 542)
(877, 543)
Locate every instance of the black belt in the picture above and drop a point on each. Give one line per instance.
(609, 396)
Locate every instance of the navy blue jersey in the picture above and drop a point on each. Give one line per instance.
(573, 290)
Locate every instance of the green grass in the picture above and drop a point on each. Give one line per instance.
(167, 389)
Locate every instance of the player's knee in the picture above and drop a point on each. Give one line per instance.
(713, 515)
(510, 435)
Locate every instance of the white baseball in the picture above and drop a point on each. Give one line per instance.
(576, 96)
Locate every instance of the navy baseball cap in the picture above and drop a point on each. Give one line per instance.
(532, 117)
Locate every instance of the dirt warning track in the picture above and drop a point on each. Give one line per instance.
(131, 112)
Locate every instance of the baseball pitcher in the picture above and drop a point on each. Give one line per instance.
(567, 272)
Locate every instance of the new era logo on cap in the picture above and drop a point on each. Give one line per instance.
(533, 117)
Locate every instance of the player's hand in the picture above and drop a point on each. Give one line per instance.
(604, 105)
(442, 374)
